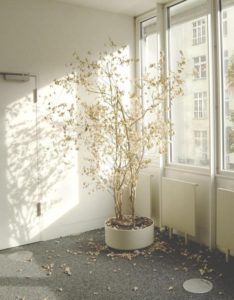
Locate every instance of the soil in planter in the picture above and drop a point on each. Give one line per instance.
(126, 222)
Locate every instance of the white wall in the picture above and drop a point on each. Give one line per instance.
(39, 37)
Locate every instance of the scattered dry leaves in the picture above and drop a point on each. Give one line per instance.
(67, 271)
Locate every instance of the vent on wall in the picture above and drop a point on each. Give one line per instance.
(178, 205)
(18, 77)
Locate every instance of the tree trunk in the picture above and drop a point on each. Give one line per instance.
(118, 204)
(132, 203)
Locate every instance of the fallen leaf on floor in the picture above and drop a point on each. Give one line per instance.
(127, 255)
(170, 288)
(220, 293)
(48, 268)
(28, 260)
(67, 271)
(202, 272)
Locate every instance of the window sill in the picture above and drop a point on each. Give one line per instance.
(225, 175)
(188, 169)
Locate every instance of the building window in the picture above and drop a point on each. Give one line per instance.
(225, 61)
(226, 104)
(200, 105)
(199, 71)
(201, 146)
(225, 23)
(199, 31)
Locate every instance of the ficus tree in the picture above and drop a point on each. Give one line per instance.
(111, 120)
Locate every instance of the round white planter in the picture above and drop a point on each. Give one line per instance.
(130, 239)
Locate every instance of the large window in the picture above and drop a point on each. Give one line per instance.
(227, 79)
(188, 31)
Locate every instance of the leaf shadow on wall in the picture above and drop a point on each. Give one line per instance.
(33, 170)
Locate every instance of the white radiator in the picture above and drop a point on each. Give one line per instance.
(225, 220)
(178, 205)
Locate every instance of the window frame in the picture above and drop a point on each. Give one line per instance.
(138, 51)
(221, 36)
(196, 169)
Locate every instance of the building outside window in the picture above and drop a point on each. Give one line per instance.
(225, 61)
(199, 71)
(199, 31)
(201, 146)
(225, 23)
(226, 104)
(200, 105)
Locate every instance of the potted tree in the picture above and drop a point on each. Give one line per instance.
(117, 128)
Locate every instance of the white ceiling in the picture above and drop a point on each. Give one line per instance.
(127, 7)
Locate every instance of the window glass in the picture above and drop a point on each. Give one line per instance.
(149, 45)
(149, 55)
(227, 54)
(188, 20)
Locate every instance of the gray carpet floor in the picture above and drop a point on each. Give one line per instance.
(82, 267)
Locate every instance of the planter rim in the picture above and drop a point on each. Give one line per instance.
(125, 230)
